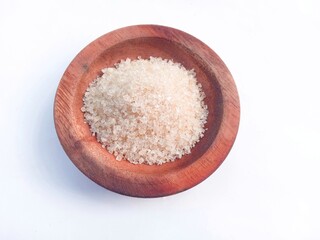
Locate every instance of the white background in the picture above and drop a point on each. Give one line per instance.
(268, 187)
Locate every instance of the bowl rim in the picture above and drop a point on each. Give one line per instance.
(120, 180)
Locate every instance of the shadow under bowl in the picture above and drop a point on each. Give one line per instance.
(145, 180)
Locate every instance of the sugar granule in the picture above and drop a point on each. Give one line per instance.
(146, 110)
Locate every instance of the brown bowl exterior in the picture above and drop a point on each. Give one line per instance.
(144, 180)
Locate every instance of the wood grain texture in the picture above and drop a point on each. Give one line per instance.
(144, 180)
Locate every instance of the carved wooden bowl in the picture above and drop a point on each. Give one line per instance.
(145, 180)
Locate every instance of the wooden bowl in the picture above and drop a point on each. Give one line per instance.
(144, 180)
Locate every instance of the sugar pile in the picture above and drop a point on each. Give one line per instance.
(146, 110)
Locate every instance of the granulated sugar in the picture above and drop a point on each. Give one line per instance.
(146, 110)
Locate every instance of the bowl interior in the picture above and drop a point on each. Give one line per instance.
(145, 47)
